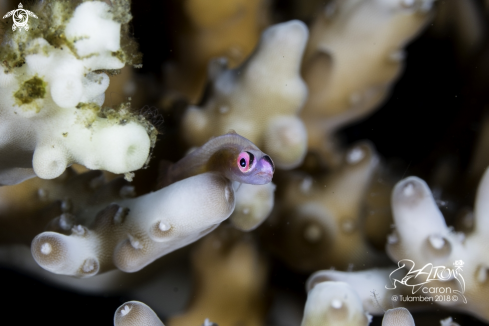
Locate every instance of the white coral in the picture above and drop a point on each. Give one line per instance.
(423, 236)
(253, 205)
(130, 234)
(50, 105)
(334, 303)
(456, 261)
(354, 54)
(370, 286)
(135, 313)
(260, 100)
(365, 285)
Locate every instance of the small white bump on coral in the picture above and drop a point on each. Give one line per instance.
(135, 313)
(125, 310)
(207, 322)
(46, 248)
(164, 226)
(448, 322)
(355, 155)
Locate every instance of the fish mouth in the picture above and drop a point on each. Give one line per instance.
(265, 176)
(267, 159)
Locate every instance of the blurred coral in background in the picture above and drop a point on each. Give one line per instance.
(138, 142)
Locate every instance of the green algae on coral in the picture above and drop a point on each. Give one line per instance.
(50, 25)
(88, 106)
(121, 114)
(54, 15)
(91, 111)
(32, 89)
(121, 11)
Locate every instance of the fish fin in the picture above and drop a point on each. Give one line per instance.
(164, 177)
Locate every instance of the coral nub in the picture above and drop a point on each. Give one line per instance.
(46, 248)
(164, 226)
(125, 310)
(408, 190)
(336, 303)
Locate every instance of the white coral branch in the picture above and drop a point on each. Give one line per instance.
(50, 108)
(260, 100)
(130, 234)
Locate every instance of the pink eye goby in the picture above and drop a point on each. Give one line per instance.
(245, 161)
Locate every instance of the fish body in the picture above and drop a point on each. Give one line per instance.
(232, 155)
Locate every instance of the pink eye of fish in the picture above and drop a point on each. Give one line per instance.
(245, 161)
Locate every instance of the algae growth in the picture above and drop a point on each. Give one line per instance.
(32, 89)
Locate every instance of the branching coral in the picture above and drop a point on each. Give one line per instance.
(338, 303)
(28, 208)
(334, 303)
(370, 286)
(319, 223)
(260, 99)
(464, 21)
(37, 205)
(422, 241)
(231, 276)
(422, 236)
(253, 205)
(135, 313)
(356, 38)
(52, 87)
(240, 161)
(130, 234)
(209, 30)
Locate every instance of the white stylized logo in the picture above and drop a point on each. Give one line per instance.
(417, 279)
(20, 17)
